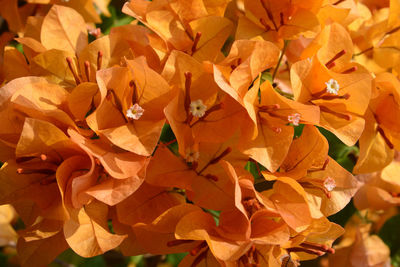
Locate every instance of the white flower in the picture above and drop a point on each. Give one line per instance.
(332, 86)
(329, 184)
(197, 108)
(192, 156)
(294, 118)
(135, 112)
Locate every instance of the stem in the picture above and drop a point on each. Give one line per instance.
(288, 95)
(363, 51)
(286, 42)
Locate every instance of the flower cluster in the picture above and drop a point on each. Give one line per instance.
(198, 129)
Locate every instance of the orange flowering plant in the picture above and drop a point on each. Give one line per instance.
(251, 133)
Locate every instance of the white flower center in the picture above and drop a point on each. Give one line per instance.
(329, 184)
(135, 112)
(192, 156)
(197, 108)
(332, 86)
(294, 119)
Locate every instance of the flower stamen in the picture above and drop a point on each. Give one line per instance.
(322, 168)
(196, 42)
(352, 69)
(178, 242)
(95, 32)
(132, 85)
(330, 64)
(265, 24)
(73, 71)
(337, 114)
(197, 249)
(332, 97)
(87, 70)
(385, 138)
(188, 84)
(99, 59)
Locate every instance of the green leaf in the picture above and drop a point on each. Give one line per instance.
(94, 262)
(70, 257)
(175, 259)
(345, 155)
(215, 214)
(116, 19)
(137, 260)
(390, 234)
(396, 259)
(344, 215)
(252, 168)
(167, 135)
(3, 259)
(266, 76)
(298, 130)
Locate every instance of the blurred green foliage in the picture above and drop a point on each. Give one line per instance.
(390, 234)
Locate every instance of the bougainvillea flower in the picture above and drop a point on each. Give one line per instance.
(125, 91)
(294, 210)
(246, 60)
(158, 236)
(220, 181)
(195, 27)
(278, 20)
(385, 52)
(210, 173)
(61, 50)
(171, 170)
(7, 233)
(213, 119)
(135, 210)
(380, 190)
(87, 233)
(87, 9)
(200, 226)
(41, 251)
(37, 98)
(343, 12)
(328, 186)
(166, 169)
(309, 151)
(329, 80)
(15, 15)
(385, 107)
(5, 37)
(259, 212)
(123, 172)
(214, 248)
(266, 138)
(314, 241)
(360, 248)
(39, 152)
(47, 181)
(15, 64)
(381, 134)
